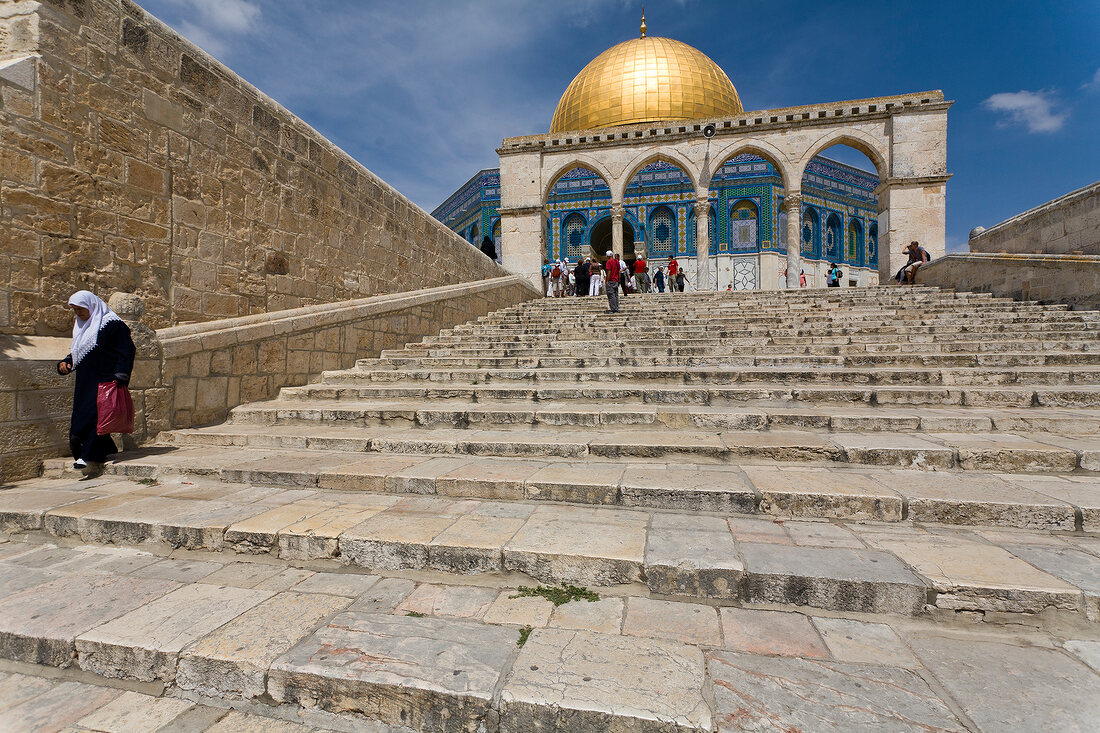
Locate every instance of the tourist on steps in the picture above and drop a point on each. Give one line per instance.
(659, 279)
(673, 270)
(623, 270)
(102, 351)
(639, 275)
(918, 255)
(611, 272)
(594, 279)
(583, 273)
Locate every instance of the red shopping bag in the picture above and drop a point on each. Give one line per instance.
(116, 409)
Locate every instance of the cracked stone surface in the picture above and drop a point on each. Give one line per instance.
(577, 680)
(428, 674)
(1034, 689)
(781, 695)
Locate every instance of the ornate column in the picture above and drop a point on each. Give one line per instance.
(617, 212)
(702, 244)
(792, 204)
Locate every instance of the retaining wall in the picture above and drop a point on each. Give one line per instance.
(1067, 225)
(1070, 279)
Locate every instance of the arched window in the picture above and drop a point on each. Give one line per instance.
(854, 253)
(693, 231)
(473, 235)
(662, 232)
(871, 259)
(496, 238)
(811, 234)
(833, 238)
(572, 235)
(743, 226)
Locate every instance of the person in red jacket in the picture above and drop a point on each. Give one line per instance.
(611, 268)
(673, 268)
(639, 275)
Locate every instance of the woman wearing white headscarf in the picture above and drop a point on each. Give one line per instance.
(102, 351)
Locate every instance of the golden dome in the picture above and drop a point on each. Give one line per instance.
(646, 80)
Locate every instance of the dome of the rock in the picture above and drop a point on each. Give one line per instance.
(646, 80)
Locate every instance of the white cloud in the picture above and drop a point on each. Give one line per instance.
(1036, 110)
(232, 16)
(1092, 84)
(210, 24)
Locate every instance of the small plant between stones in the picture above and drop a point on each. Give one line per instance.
(148, 482)
(557, 595)
(524, 632)
(415, 614)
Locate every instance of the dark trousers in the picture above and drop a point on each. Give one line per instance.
(613, 299)
(92, 448)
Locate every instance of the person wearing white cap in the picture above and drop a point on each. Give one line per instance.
(611, 267)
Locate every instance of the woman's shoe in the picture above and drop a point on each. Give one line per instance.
(94, 469)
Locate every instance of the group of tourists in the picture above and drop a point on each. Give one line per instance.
(589, 277)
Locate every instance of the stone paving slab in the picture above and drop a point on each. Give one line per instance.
(757, 693)
(428, 674)
(62, 705)
(831, 577)
(1033, 689)
(578, 680)
(40, 624)
(145, 643)
(232, 662)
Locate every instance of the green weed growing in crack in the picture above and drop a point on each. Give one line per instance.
(557, 595)
(415, 614)
(523, 634)
(148, 482)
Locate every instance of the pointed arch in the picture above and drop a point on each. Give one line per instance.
(744, 225)
(834, 237)
(854, 251)
(873, 148)
(580, 161)
(760, 148)
(665, 155)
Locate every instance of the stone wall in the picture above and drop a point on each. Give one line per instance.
(35, 403)
(1067, 225)
(193, 375)
(1070, 279)
(132, 161)
(207, 369)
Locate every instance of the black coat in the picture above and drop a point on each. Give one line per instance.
(112, 359)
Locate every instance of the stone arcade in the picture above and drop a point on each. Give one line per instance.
(615, 121)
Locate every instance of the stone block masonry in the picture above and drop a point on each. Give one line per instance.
(1048, 278)
(1067, 225)
(193, 375)
(132, 161)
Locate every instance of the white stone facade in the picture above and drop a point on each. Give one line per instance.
(904, 136)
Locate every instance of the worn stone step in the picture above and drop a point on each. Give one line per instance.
(868, 568)
(780, 395)
(728, 559)
(953, 376)
(1055, 501)
(300, 407)
(981, 452)
(309, 651)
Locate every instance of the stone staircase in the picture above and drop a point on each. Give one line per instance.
(748, 481)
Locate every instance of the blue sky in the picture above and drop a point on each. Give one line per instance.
(423, 91)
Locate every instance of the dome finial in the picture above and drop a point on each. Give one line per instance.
(643, 21)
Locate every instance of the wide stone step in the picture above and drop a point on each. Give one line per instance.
(297, 406)
(727, 559)
(1044, 500)
(948, 376)
(346, 651)
(779, 395)
(612, 358)
(965, 451)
